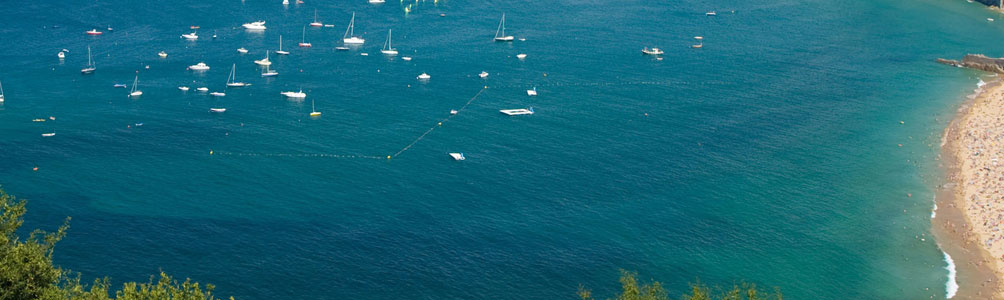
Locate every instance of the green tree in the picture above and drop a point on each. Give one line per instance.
(27, 272)
(697, 291)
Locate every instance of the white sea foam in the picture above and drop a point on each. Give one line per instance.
(981, 83)
(934, 211)
(952, 286)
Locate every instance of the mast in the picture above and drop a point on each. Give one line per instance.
(304, 38)
(350, 31)
(89, 63)
(134, 82)
(315, 15)
(503, 24)
(280, 42)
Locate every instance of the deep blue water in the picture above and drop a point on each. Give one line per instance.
(769, 155)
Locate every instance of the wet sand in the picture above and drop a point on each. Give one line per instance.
(970, 202)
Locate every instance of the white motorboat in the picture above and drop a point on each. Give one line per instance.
(377, 1)
(303, 40)
(457, 156)
(349, 37)
(93, 32)
(162, 54)
(280, 52)
(521, 56)
(218, 94)
(453, 112)
(191, 36)
(424, 76)
(264, 61)
(61, 55)
(298, 95)
(199, 67)
(49, 134)
(232, 79)
(483, 74)
(89, 69)
(406, 58)
(315, 23)
(387, 48)
(202, 89)
(217, 110)
(257, 25)
(517, 112)
(183, 88)
(241, 50)
(653, 51)
(285, 2)
(500, 32)
(711, 13)
(135, 92)
(532, 92)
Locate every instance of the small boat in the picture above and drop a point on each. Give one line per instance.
(138, 124)
(406, 58)
(49, 134)
(61, 55)
(90, 64)
(241, 50)
(202, 89)
(457, 156)
(299, 1)
(700, 42)
(315, 23)
(263, 62)
(218, 94)
(453, 111)
(232, 79)
(483, 74)
(521, 56)
(257, 25)
(191, 36)
(711, 13)
(377, 1)
(424, 76)
(349, 37)
(38, 120)
(280, 52)
(517, 112)
(119, 85)
(364, 54)
(1, 93)
(294, 94)
(285, 2)
(135, 92)
(94, 32)
(342, 48)
(199, 67)
(532, 92)
(329, 25)
(303, 40)
(990, 19)
(269, 73)
(500, 32)
(387, 48)
(162, 54)
(653, 51)
(522, 39)
(217, 110)
(214, 34)
(313, 112)
(183, 88)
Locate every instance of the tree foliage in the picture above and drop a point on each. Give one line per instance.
(630, 290)
(27, 271)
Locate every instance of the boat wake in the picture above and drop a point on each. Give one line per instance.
(952, 286)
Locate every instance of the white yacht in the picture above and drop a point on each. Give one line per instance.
(316, 23)
(297, 95)
(135, 92)
(653, 51)
(483, 74)
(241, 50)
(218, 94)
(162, 54)
(424, 76)
(257, 25)
(199, 67)
(191, 36)
(183, 88)
(500, 32)
(349, 37)
(517, 112)
(202, 89)
(532, 92)
(457, 156)
(387, 48)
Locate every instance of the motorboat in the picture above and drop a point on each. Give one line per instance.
(61, 55)
(241, 50)
(406, 58)
(191, 36)
(532, 92)
(217, 110)
(298, 95)
(457, 156)
(218, 94)
(483, 74)
(517, 112)
(202, 89)
(199, 67)
(424, 76)
(653, 51)
(257, 25)
(521, 56)
(162, 54)
(94, 32)
(183, 88)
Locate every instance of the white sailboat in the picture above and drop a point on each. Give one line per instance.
(135, 92)
(232, 79)
(90, 64)
(313, 112)
(387, 48)
(280, 52)
(269, 72)
(316, 23)
(264, 61)
(500, 32)
(303, 40)
(349, 37)
(1, 92)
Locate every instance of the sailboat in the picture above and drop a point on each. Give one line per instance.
(316, 23)
(280, 52)
(232, 79)
(313, 112)
(387, 48)
(263, 62)
(135, 92)
(349, 37)
(269, 73)
(1, 93)
(90, 64)
(303, 40)
(500, 32)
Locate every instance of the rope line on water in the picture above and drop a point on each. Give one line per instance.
(440, 123)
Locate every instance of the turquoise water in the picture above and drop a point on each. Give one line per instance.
(769, 155)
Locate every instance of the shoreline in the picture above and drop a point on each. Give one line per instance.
(952, 220)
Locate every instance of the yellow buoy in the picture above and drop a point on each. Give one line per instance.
(440, 123)
(210, 152)
(388, 156)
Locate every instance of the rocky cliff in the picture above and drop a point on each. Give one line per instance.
(977, 61)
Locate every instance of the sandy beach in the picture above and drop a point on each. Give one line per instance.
(970, 213)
